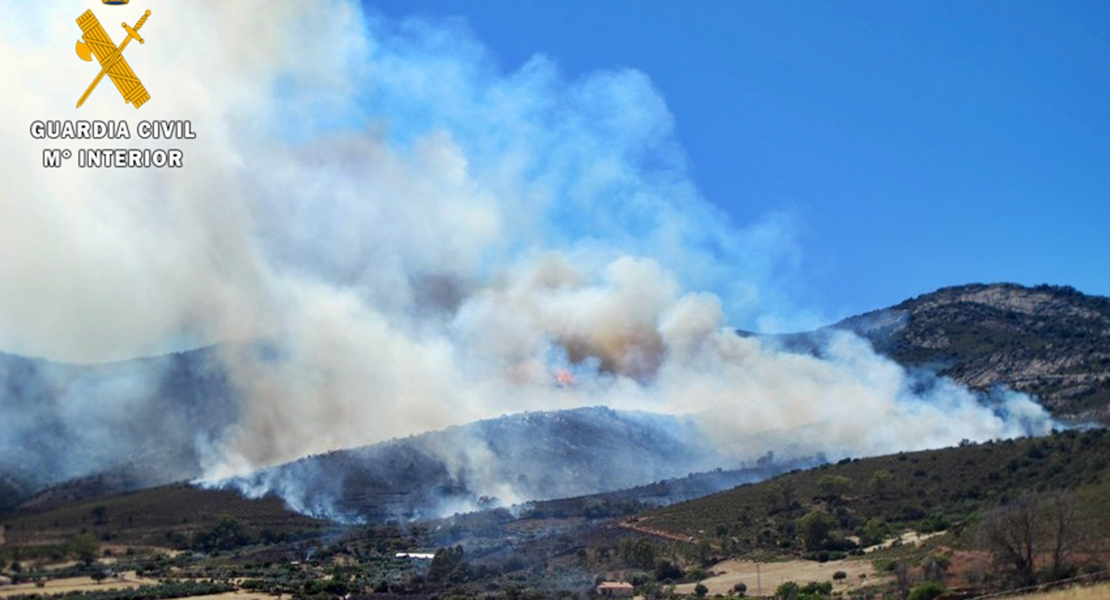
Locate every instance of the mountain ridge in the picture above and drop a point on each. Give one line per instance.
(1049, 341)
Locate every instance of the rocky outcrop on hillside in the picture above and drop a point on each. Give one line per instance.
(1052, 342)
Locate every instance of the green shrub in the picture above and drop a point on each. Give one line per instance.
(928, 591)
(665, 570)
(787, 591)
(814, 588)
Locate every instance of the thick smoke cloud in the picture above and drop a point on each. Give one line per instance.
(388, 233)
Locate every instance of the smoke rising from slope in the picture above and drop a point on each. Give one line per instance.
(391, 234)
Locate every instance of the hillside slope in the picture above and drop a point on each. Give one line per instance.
(146, 516)
(874, 497)
(140, 421)
(511, 459)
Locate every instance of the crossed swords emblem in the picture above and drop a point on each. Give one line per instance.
(95, 41)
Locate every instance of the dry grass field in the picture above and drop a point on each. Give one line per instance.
(1100, 591)
(770, 575)
(239, 595)
(77, 584)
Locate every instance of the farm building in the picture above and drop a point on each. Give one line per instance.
(615, 589)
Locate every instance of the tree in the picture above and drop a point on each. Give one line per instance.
(874, 531)
(936, 566)
(834, 486)
(880, 482)
(100, 515)
(86, 547)
(779, 495)
(703, 551)
(1033, 525)
(740, 588)
(444, 561)
(901, 576)
(1010, 533)
(700, 590)
(228, 533)
(814, 529)
(814, 588)
(665, 570)
(639, 554)
(1061, 513)
(788, 591)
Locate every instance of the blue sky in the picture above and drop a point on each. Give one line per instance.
(911, 146)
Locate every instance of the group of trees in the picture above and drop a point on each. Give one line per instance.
(640, 554)
(817, 532)
(813, 590)
(447, 562)
(228, 533)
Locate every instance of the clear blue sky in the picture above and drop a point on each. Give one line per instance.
(917, 145)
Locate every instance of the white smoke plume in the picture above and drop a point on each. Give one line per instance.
(387, 233)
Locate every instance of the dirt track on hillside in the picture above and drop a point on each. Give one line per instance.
(655, 532)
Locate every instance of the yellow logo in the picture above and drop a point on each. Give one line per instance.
(95, 42)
